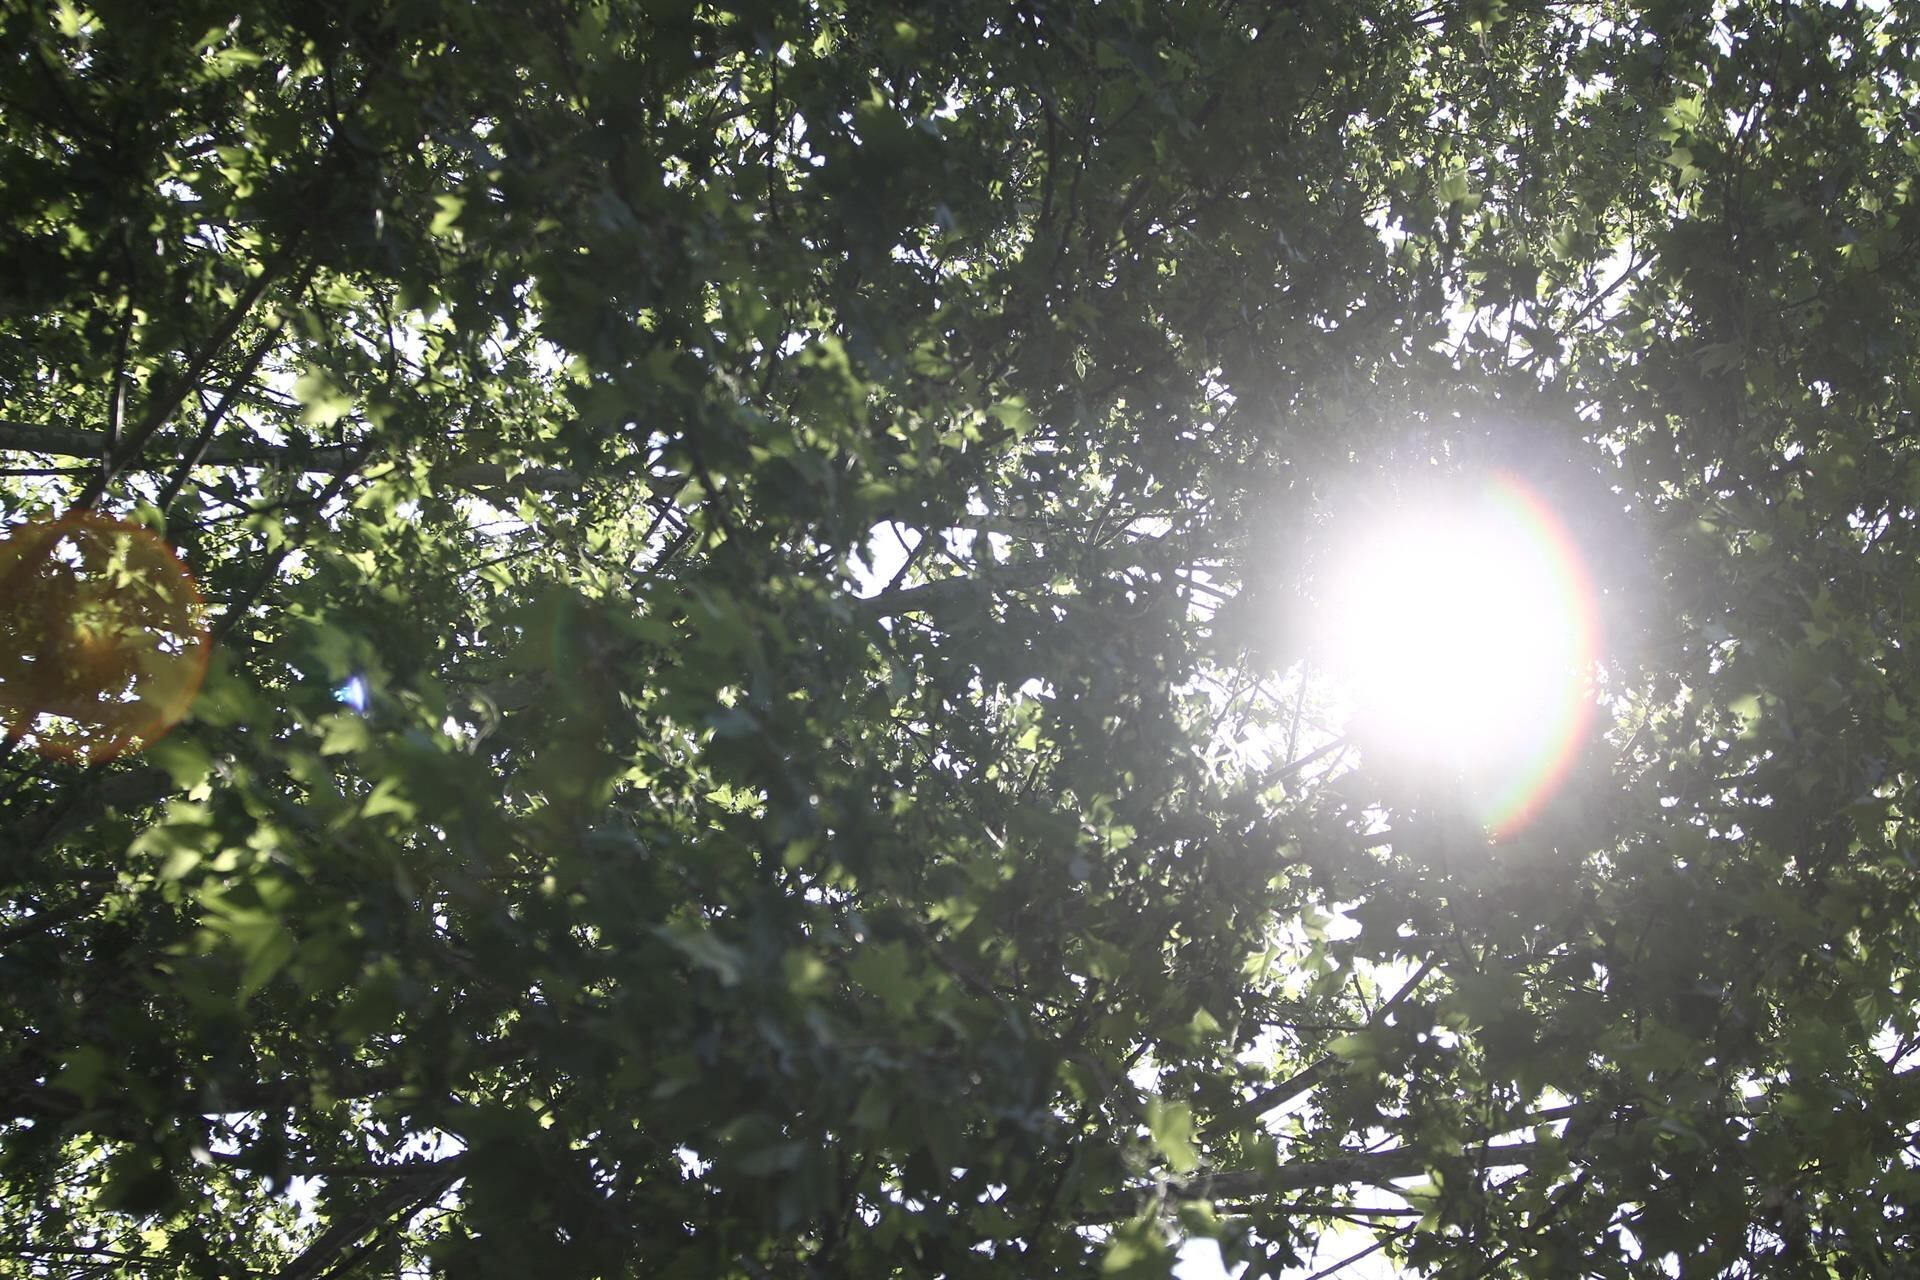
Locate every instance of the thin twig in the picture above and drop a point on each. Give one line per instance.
(1344, 1263)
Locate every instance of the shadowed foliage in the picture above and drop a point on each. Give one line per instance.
(824, 502)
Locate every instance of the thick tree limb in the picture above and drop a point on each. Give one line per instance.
(949, 592)
(404, 1195)
(1372, 1168)
(72, 442)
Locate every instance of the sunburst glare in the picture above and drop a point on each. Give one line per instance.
(1461, 630)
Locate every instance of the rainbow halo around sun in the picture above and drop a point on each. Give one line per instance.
(1461, 630)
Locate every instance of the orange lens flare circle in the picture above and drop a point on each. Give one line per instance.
(103, 637)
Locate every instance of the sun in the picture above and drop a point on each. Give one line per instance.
(1460, 629)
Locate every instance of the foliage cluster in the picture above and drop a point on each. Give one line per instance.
(692, 898)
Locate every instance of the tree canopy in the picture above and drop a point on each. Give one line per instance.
(759, 565)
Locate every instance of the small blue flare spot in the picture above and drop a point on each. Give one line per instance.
(353, 693)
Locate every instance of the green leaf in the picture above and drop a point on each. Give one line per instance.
(186, 761)
(324, 401)
(1452, 187)
(706, 950)
(389, 797)
(1014, 416)
(260, 937)
(85, 1072)
(342, 732)
(884, 970)
(448, 213)
(1360, 1046)
(807, 975)
(1136, 1251)
(1171, 1124)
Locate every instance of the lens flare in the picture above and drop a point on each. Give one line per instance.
(103, 637)
(353, 693)
(1463, 632)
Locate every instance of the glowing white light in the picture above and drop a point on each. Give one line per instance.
(1462, 633)
(354, 693)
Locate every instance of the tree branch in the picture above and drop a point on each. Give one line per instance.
(1372, 1168)
(72, 442)
(405, 1196)
(1307, 1078)
(934, 596)
(126, 453)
